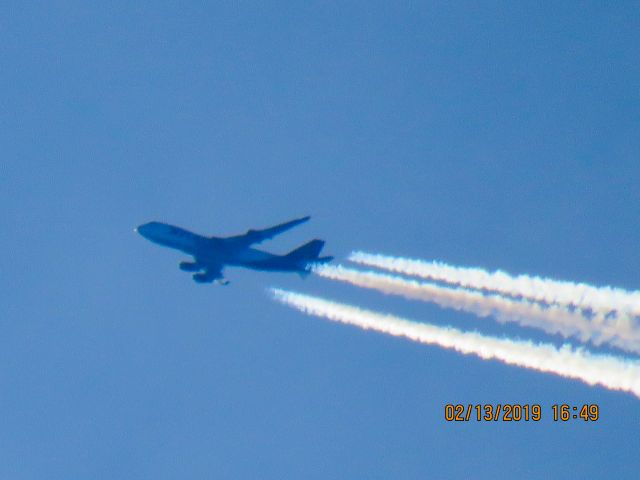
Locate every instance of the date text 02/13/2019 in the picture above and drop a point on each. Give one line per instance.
(515, 412)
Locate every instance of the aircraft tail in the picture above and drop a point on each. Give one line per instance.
(308, 254)
(308, 251)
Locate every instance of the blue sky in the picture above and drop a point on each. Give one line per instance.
(502, 135)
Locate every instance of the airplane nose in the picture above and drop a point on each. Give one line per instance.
(141, 229)
(150, 230)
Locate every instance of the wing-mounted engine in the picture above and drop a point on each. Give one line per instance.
(202, 278)
(208, 278)
(210, 274)
(190, 266)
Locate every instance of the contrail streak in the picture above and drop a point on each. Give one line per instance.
(551, 319)
(610, 372)
(579, 295)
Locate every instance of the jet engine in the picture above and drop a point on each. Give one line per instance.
(189, 266)
(202, 278)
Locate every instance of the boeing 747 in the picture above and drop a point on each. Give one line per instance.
(212, 254)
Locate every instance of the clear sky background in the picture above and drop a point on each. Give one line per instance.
(501, 134)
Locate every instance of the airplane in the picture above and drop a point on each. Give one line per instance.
(212, 254)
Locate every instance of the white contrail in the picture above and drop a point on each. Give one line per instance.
(579, 295)
(610, 372)
(551, 319)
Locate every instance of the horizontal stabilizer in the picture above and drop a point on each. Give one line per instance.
(307, 251)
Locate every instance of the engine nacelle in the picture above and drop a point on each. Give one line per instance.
(202, 278)
(189, 266)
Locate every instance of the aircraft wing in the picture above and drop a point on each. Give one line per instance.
(257, 236)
